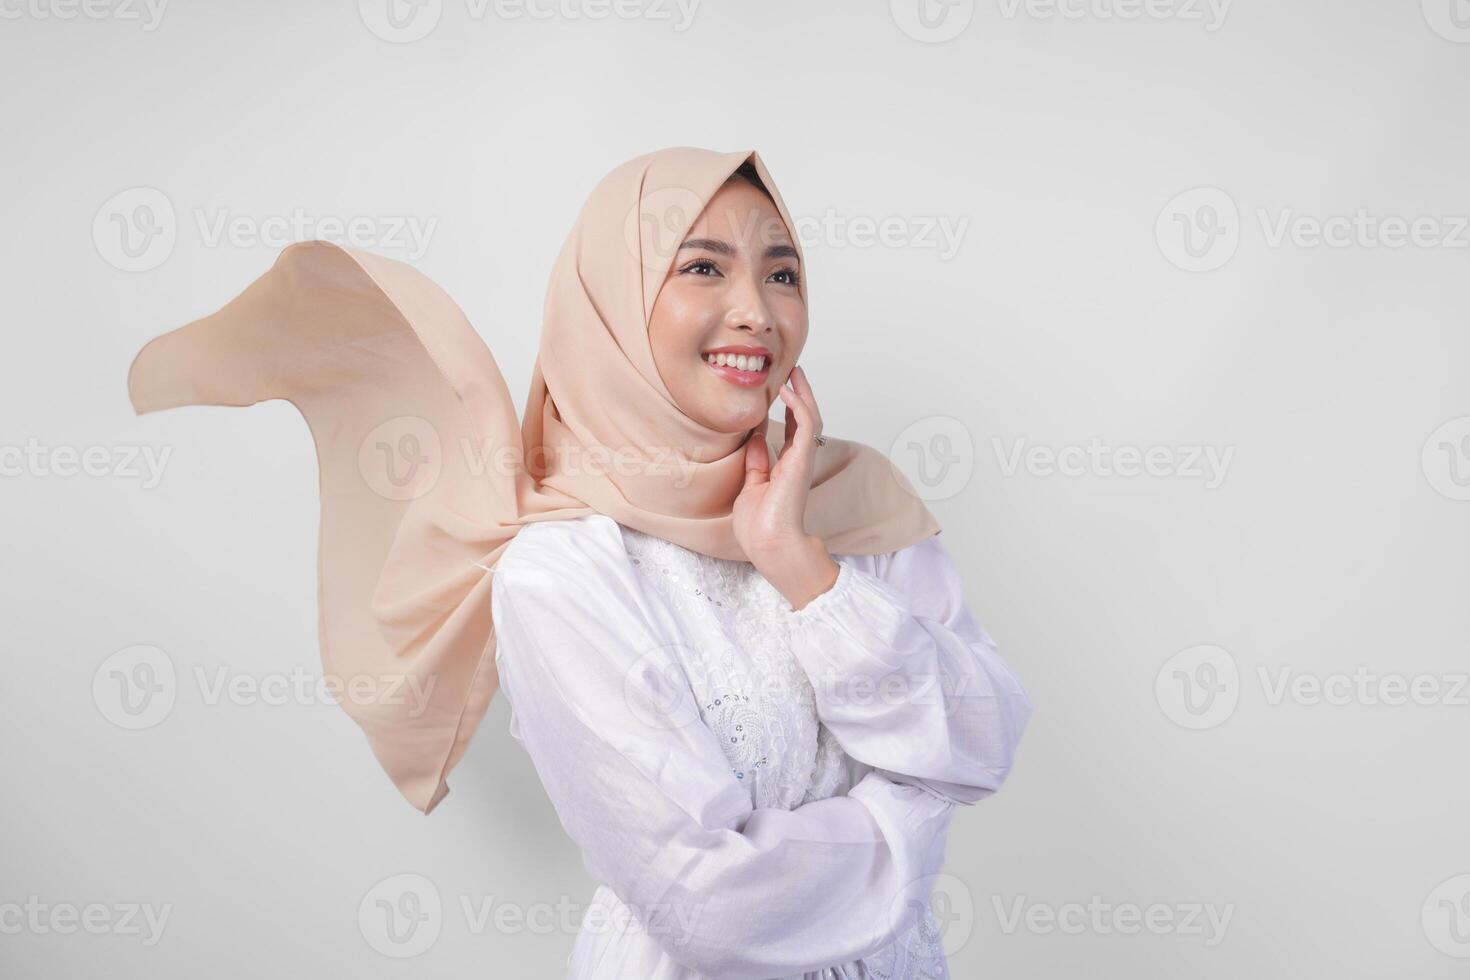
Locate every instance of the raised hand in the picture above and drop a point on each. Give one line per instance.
(769, 513)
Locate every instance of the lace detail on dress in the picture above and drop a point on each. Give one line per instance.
(756, 697)
(753, 692)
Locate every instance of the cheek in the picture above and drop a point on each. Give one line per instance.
(794, 327)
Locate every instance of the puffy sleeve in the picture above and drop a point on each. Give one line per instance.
(906, 680)
(641, 785)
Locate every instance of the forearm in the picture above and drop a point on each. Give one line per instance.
(908, 682)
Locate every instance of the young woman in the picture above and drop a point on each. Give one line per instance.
(739, 658)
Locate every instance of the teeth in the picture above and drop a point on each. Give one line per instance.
(740, 362)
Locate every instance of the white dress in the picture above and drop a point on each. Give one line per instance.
(761, 792)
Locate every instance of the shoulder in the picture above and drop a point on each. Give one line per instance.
(563, 552)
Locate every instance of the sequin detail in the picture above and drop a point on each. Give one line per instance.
(757, 699)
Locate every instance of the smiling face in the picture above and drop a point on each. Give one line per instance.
(732, 291)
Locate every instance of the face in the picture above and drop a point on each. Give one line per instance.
(733, 291)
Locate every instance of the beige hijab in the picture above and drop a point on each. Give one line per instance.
(426, 475)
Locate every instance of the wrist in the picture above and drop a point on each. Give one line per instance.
(800, 570)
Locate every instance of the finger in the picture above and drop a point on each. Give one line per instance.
(802, 385)
(790, 430)
(757, 460)
(801, 439)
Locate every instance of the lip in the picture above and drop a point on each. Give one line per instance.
(746, 379)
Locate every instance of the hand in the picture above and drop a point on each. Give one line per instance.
(769, 514)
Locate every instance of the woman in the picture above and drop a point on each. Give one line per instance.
(750, 686)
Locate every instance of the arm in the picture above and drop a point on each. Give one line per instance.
(642, 786)
(906, 680)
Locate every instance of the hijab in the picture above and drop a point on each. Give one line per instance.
(426, 474)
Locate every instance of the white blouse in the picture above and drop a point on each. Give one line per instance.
(762, 792)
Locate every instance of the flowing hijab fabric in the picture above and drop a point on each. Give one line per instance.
(426, 474)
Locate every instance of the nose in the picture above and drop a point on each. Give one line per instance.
(748, 309)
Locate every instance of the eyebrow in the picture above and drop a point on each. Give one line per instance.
(725, 248)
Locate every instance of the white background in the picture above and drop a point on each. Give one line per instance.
(1072, 313)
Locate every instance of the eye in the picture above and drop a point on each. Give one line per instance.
(793, 277)
(701, 264)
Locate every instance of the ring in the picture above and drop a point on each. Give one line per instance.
(820, 440)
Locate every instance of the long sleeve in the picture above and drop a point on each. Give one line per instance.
(906, 680)
(641, 785)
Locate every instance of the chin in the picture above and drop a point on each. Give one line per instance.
(738, 420)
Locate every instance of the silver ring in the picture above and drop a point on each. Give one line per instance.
(820, 440)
